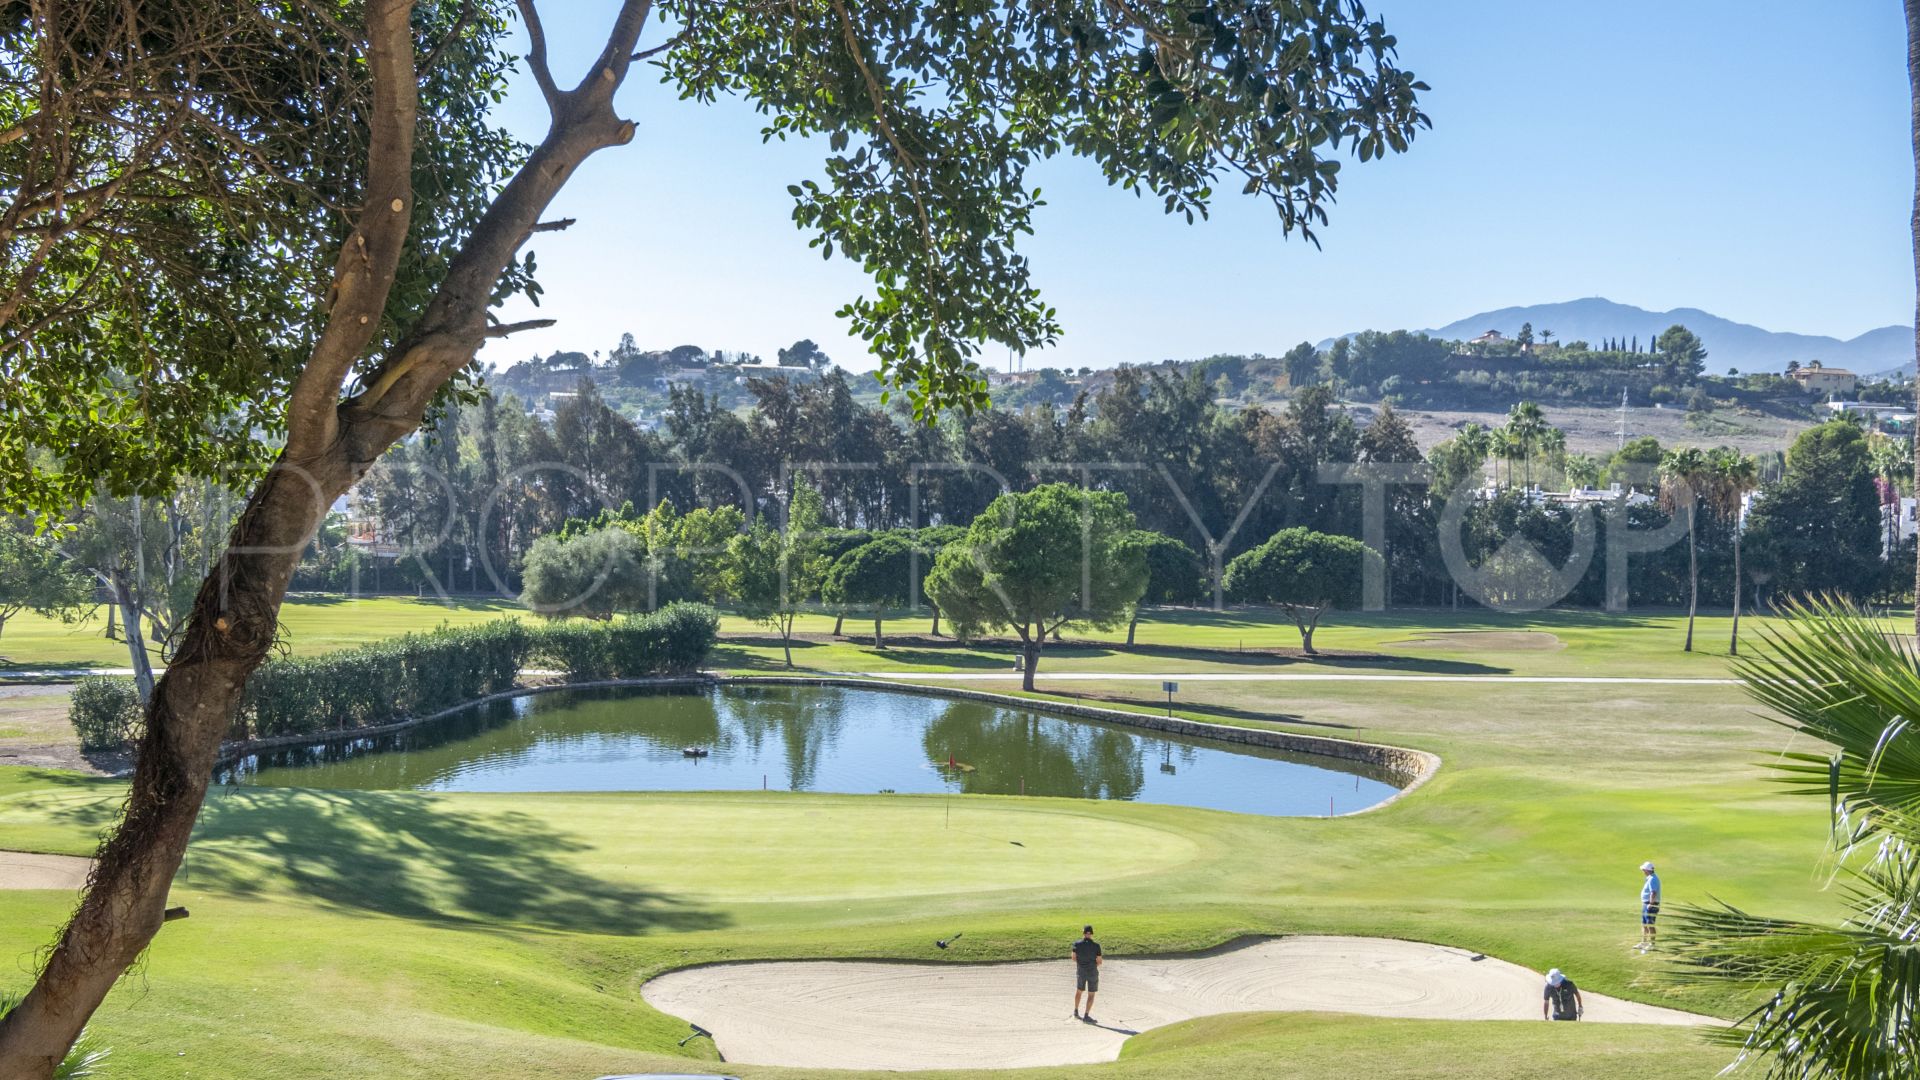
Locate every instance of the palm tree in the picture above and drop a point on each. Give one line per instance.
(1526, 424)
(1553, 448)
(1581, 470)
(1845, 1000)
(1686, 474)
(1477, 441)
(1892, 461)
(1500, 446)
(1735, 476)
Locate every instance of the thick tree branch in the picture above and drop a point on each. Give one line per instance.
(537, 55)
(368, 262)
(454, 323)
(552, 226)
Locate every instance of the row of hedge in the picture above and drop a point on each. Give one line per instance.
(419, 674)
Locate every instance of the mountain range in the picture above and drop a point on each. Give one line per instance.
(1729, 344)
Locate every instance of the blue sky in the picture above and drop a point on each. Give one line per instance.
(1748, 159)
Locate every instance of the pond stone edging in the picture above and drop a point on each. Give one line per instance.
(1416, 767)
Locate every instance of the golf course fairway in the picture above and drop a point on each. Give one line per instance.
(379, 934)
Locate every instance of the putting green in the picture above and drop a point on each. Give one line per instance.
(707, 848)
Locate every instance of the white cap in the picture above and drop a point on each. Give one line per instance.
(1555, 978)
(1646, 866)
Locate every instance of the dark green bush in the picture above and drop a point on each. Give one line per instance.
(420, 674)
(105, 712)
(671, 641)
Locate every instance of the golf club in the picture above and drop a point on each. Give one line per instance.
(944, 942)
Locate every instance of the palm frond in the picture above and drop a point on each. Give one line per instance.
(1845, 1001)
(1833, 675)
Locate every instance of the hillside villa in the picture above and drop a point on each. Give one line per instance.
(1817, 378)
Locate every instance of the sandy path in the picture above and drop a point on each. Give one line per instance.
(26, 870)
(855, 1015)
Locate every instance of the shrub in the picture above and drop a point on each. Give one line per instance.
(420, 674)
(382, 683)
(105, 712)
(671, 641)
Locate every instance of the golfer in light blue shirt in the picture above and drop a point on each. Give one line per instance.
(1649, 905)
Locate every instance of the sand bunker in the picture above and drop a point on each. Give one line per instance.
(856, 1015)
(25, 870)
(1487, 641)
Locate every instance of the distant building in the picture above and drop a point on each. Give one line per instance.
(1818, 379)
(1880, 417)
(742, 372)
(1491, 337)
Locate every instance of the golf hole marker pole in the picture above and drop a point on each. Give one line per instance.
(1170, 688)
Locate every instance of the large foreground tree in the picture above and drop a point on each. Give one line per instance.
(267, 238)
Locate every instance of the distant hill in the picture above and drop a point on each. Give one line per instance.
(1729, 343)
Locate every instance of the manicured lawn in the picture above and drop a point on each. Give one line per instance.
(1549, 643)
(308, 624)
(382, 934)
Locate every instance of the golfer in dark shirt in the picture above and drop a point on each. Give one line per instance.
(1561, 998)
(1086, 962)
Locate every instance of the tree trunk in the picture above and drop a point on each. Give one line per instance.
(113, 620)
(1307, 627)
(1733, 644)
(1030, 644)
(1693, 578)
(226, 637)
(839, 620)
(1913, 83)
(1131, 625)
(136, 640)
(936, 620)
(878, 643)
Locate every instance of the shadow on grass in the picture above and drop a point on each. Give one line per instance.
(736, 654)
(414, 857)
(1413, 619)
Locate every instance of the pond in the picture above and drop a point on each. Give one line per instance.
(807, 738)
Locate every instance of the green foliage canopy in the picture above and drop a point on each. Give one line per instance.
(1034, 561)
(1303, 571)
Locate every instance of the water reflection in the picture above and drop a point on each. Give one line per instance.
(1012, 753)
(814, 739)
